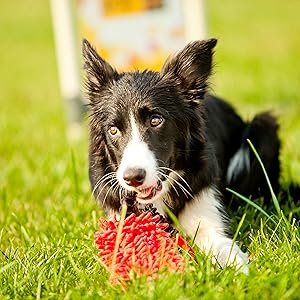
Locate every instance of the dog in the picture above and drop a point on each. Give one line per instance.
(164, 138)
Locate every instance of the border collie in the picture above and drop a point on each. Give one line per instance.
(163, 138)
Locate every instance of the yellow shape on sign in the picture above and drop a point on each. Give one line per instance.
(121, 7)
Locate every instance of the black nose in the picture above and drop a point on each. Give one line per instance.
(134, 176)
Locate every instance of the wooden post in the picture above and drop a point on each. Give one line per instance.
(68, 62)
(194, 19)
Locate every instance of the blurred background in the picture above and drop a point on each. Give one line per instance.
(257, 68)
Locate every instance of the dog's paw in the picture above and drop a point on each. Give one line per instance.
(232, 255)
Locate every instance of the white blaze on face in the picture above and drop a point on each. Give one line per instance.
(137, 155)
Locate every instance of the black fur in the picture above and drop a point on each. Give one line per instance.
(200, 135)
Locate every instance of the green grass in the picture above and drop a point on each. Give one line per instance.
(47, 216)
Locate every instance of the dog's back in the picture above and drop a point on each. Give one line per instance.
(239, 168)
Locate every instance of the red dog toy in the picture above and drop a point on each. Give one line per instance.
(139, 246)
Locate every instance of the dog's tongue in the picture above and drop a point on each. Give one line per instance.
(145, 193)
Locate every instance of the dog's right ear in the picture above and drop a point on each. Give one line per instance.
(98, 71)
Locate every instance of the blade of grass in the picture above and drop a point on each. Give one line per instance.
(7, 266)
(118, 239)
(251, 203)
(75, 175)
(274, 198)
(235, 235)
(39, 287)
(173, 219)
(239, 228)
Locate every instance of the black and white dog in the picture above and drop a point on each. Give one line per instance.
(163, 138)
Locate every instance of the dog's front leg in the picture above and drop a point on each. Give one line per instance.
(203, 220)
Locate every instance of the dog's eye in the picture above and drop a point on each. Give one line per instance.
(156, 121)
(114, 131)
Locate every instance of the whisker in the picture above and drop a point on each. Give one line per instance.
(184, 190)
(114, 191)
(171, 184)
(120, 192)
(178, 176)
(186, 193)
(107, 183)
(166, 198)
(102, 180)
(112, 186)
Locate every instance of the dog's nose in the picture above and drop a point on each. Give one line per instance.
(134, 176)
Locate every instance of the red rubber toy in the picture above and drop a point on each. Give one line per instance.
(139, 246)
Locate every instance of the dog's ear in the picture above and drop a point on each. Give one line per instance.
(191, 67)
(98, 71)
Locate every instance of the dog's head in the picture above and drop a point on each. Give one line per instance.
(144, 124)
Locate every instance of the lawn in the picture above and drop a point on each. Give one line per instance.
(47, 215)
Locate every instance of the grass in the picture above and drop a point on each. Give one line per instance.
(47, 216)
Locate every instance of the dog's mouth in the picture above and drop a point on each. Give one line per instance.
(149, 192)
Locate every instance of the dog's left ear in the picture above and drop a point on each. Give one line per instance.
(191, 67)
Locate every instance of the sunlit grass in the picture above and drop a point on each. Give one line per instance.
(47, 215)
